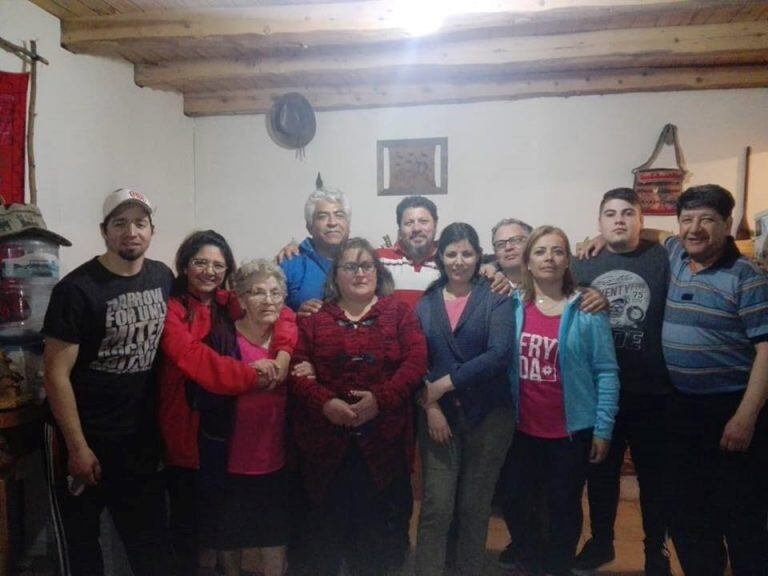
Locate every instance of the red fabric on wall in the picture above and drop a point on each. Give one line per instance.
(13, 125)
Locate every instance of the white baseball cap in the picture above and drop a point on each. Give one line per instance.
(122, 196)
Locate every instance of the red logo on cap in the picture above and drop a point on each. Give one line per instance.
(138, 196)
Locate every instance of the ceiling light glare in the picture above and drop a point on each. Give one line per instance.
(421, 17)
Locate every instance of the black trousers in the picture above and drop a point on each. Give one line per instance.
(352, 523)
(543, 490)
(641, 426)
(133, 492)
(181, 484)
(718, 495)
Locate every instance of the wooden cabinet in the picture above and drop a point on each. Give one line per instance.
(20, 434)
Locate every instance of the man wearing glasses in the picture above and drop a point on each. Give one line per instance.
(509, 237)
(102, 329)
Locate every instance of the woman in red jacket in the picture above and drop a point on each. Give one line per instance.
(204, 263)
(351, 422)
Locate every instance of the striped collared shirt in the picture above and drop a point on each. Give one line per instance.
(712, 320)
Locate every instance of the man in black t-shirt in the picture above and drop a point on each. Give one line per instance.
(633, 275)
(102, 330)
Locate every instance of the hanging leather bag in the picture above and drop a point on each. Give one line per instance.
(659, 188)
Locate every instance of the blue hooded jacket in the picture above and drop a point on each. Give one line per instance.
(305, 275)
(588, 368)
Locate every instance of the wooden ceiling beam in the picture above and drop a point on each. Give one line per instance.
(364, 23)
(718, 44)
(367, 96)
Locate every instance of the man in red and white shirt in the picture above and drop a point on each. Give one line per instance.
(412, 259)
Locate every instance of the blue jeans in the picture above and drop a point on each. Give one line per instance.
(543, 498)
(461, 473)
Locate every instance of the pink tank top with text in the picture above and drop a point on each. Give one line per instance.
(542, 409)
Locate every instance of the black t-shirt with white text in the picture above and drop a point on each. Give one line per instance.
(117, 322)
(635, 284)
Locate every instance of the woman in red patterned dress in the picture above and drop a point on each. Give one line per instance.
(351, 422)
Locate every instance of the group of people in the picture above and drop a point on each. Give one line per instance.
(284, 407)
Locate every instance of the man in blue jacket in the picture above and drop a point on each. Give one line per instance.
(327, 213)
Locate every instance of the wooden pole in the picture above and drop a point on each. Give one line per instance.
(28, 55)
(743, 232)
(21, 52)
(31, 123)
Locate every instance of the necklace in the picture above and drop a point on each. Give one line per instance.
(550, 307)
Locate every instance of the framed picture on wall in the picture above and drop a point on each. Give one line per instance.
(415, 166)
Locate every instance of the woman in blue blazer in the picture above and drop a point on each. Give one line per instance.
(564, 379)
(467, 420)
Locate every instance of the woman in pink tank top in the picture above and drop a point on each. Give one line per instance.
(564, 378)
(243, 488)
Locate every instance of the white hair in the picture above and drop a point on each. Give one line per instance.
(254, 271)
(335, 196)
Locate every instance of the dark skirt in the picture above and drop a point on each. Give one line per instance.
(236, 510)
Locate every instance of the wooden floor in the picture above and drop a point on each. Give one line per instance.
(628, 544)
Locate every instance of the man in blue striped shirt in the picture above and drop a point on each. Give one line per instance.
(715, 340)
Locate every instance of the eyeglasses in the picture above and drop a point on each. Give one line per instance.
(351, 268)
(261, 296)
(203, 264)
(512, 241)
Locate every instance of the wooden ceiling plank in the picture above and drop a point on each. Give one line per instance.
(722, 15)
(649, 47)
(759, 12)
(53, 8)
(676, 18)
(259, 101)
(124, 6)
(100, 7)
(700, 17)
(77, 8)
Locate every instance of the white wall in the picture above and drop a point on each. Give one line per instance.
(544, 161)
(97, 131)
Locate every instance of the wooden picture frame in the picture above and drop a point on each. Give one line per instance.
(412, 167)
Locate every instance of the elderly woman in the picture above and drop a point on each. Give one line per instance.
(243, 500)
(565, 378)
(204, 264)
(351, 421)
(467, 423)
